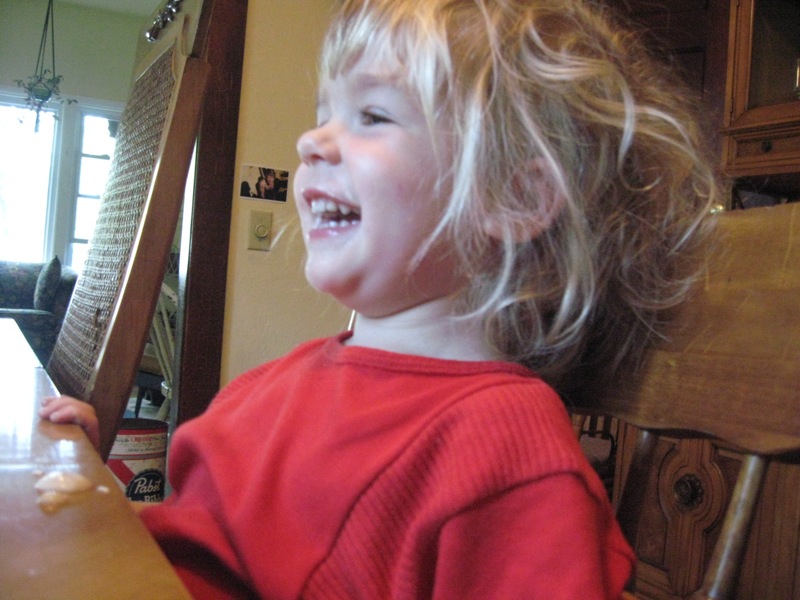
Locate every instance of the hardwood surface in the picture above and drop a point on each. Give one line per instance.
(93, 546)
(738, 337)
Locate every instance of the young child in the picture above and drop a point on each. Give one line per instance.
(511, 199)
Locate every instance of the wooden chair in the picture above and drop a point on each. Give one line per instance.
(156, 373)
(101, 342)
(162, 337)
(730, 373)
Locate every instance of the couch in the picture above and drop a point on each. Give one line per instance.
(36, 296)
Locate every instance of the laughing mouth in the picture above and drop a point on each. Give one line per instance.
(328, 213)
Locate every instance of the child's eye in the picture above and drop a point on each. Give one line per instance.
(369, 117)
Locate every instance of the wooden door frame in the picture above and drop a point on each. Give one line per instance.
(207, 216)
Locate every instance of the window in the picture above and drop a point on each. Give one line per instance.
(25, 168)
(98, 138)
(51, 181)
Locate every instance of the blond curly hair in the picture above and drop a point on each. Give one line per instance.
(577, 146)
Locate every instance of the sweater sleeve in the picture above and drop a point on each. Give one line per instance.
(550, 539)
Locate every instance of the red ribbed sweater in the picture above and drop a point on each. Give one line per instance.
(350, 473)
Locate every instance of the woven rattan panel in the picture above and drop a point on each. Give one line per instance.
(98, 287)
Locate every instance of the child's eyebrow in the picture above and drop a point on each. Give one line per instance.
(371, 79)
(390, 84)
(360, 82)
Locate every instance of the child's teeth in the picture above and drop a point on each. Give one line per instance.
(319, 207)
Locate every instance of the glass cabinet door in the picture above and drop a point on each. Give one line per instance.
(761, 135)
(775, 62)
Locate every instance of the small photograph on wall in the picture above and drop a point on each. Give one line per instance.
(264, 183)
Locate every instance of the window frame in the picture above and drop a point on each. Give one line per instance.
(64, 170)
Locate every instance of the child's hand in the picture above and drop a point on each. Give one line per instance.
(68, 410)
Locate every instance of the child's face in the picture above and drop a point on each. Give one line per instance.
(365, 191)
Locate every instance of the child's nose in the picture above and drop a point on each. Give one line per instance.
(317, 145)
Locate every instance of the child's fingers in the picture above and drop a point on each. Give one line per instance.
(66, 410)
(53, 403)
(50, 404)
(70, 414)
(66, 414)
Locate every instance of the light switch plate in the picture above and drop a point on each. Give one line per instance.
(260, 234)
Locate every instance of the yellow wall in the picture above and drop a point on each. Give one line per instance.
(269, 307)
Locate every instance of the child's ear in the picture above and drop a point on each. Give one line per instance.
(535, 185)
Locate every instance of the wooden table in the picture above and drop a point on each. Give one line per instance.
(94, 546)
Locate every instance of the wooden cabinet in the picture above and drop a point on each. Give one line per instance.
(761, 141)
(692, 35)
(687, 496)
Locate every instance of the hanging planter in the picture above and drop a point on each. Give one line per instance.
(43, 86)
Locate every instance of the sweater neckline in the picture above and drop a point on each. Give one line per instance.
(340, 354)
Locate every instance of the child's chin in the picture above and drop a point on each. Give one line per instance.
(325, 282)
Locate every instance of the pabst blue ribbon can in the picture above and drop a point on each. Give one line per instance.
(138, 459)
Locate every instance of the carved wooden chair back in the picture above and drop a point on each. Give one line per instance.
(729, 372)
(100, 346)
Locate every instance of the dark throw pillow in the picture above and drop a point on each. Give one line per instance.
(47, 285)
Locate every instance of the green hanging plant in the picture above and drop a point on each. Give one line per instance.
(43, 86)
